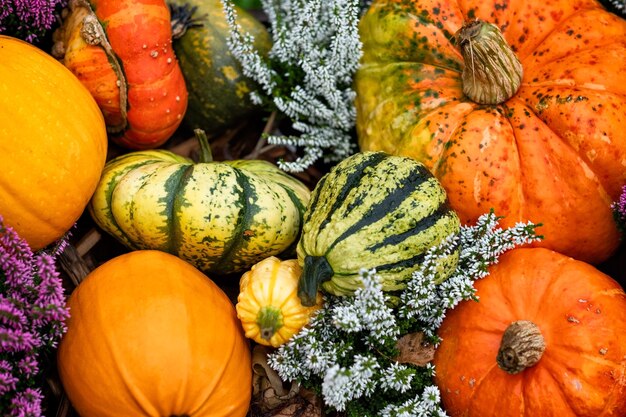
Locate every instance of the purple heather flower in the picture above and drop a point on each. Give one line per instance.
(28, 19)
(26, 404)
(619, 210)
(32, 319)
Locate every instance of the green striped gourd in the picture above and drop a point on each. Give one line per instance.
(222, 217)
(372, 211)
(218, 90)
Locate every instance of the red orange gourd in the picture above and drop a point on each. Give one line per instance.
(122, 52)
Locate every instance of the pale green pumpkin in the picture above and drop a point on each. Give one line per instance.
(222, 217)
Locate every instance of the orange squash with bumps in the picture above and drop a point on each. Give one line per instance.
(122, 52)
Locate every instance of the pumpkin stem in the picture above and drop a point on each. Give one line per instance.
(182, 18)
(316, 270)
(492, 72)
(269, 320)
(521, 347)
(205, 150)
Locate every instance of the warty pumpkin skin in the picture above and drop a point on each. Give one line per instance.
(53, 144)
(122, 52)
(579, 313)
(149, 335)
(554, 153)
(218, 90)
(222, 217)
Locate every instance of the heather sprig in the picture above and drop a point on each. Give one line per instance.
(308, 74)
(346, 353)
(32, 319)
(619, 211)
(29, 20)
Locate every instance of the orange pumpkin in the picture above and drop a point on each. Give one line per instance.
(122, 52)
(53, 144)
(546, 338)
(534, 131)
(149, 335)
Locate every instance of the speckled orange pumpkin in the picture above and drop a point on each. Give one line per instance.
(534, 131)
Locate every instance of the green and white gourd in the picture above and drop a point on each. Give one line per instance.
(222, 217)
(372, 211)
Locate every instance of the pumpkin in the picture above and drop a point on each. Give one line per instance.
(218, 90)
(222, 217)
(372, 211)
(433, 86)
(268, 305)
(546, 338)
(150, 335)
(122, 52)
(53, 144)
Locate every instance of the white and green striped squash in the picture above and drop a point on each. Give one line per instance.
(372, 211)
(222, 217)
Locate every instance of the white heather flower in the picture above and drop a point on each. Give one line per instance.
(397, 377)
(341, 385)
(317, 46)
(367, 311)
(424, 405)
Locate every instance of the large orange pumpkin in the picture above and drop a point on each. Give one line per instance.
(53, 144)
(552, 151)
(149, 335)
(546, 338)
(122, 51)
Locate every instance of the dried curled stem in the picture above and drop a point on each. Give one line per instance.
(522, 346)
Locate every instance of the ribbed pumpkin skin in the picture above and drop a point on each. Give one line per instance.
(580, 313)
(374, 210)
(52, 140)
(272, 284)
(149, 335)
(140, 35)
(554, 153)
(220, 216)
(218, 91)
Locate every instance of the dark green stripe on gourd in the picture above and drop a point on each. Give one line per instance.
(218, 90)
(175, 200)
(245, 221)
(372, 211)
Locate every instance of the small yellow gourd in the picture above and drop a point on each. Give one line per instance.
(268, 305)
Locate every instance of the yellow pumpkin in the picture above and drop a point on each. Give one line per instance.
(149, 335)
(53, 144)
(268, 305)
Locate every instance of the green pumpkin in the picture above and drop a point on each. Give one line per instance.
(372, 211)
(222, 217)
(218, 90)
